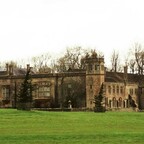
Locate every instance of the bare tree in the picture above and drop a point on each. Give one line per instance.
(115, 62)
(136, 62)
(73, 58)
(40, 63)
(139, 57)
(132, 65)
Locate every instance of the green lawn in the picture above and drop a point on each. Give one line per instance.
(37, 127)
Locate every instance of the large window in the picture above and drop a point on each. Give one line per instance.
(90, 67)
(6, 92)
(97, 67)
(109, 89)
(113, 88)
(121, 89)
(42, 90)
(117, 89)
(131, 91)
(136, 91)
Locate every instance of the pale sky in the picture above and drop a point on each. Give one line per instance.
(33, 27)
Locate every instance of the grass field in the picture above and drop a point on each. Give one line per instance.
(37, 127)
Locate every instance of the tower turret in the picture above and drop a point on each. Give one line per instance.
(95, 75)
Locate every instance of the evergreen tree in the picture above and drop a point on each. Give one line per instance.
(98, 101)
(24, 98)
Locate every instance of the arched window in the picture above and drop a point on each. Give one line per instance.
(114, 102)
(110, 103)
(120, 102)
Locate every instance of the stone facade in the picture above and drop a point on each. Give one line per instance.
(78, 87)
(95, 75)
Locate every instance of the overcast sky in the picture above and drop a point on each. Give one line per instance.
(33, 27)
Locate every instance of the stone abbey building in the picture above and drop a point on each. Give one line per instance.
(78, 87)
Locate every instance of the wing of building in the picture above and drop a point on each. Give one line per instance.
(121, 90)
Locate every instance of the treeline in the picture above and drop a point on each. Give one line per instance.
(74, 58)
(134, 60)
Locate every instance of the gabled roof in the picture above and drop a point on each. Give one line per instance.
(114, 77)
(120, 77)
(135, 78)
(19, 71)
(2, 73)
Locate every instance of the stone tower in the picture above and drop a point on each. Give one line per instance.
(95, 75)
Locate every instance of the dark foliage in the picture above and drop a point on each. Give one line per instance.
(76, 93)
(98, 101)
(132, 102)
(24, 98)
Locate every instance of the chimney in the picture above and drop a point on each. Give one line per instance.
(125, 74)
(7, 68)
(11, 69)
(28, 67)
